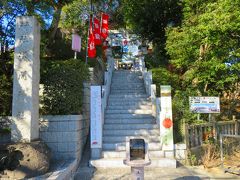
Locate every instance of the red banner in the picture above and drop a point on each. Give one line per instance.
(91, 42)
(104, 30)
(97, 32)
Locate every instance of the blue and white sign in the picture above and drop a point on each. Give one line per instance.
(204, 104)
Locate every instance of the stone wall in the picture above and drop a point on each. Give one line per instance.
(65, 135)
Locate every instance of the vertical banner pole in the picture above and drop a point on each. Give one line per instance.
(87, 40)
(75, 54)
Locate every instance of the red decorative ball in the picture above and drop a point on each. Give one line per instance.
(167, 123)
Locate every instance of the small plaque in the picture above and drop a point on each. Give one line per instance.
(137, 149)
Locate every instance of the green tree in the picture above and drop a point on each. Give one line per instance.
(205, 49)
(150, 18)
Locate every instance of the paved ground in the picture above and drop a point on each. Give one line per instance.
(180, 173)
(85, 172)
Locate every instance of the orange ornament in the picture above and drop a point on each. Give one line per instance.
(167, 123)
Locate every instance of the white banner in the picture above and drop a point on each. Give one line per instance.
(76, 42)
(96, 117)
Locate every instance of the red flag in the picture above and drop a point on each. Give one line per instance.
(97, 32)
(104, 31)
(91, 43)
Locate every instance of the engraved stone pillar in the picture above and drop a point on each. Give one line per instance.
(25, 104)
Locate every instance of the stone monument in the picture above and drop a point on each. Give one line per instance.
(25, 104)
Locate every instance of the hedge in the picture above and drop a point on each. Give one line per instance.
(63, 86)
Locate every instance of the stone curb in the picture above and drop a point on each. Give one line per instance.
(63, 171)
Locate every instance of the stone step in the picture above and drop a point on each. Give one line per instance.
(125, 111)
(128, 96)
(118, 139)
(129, 103)
(127, 73)
(132, 132)
(120, 93)
(155, 146)
(117, 84)
(118, 163)
(129, 126)
(128, 100)
(128, 115)
(128, 78)
(132, 107)
(126, 82)
(129, 121)
(128, 91)
(134, 86)
(136, 73)
(122, 154)
(122, 76)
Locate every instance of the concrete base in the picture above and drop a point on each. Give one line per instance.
(118, 163)
(137, 173)
(96, 153)
(62, 170)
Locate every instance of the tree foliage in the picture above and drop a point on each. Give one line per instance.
(63, 86)
(205, 49)
(150, 18)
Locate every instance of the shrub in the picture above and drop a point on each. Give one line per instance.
(161, 76)
(5, 95)
(63, 85)
(210, 155)
(6, 82)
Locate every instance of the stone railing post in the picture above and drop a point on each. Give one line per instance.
(158, 110)
(153, 99)
(166, 121)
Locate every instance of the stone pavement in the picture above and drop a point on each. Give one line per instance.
(180, 173)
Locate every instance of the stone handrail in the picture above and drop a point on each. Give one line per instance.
(150, 90)
(107, 81)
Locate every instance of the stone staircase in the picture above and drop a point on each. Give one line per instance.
(129, 114)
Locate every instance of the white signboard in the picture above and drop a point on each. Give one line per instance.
(96, 117)
(204, 104)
